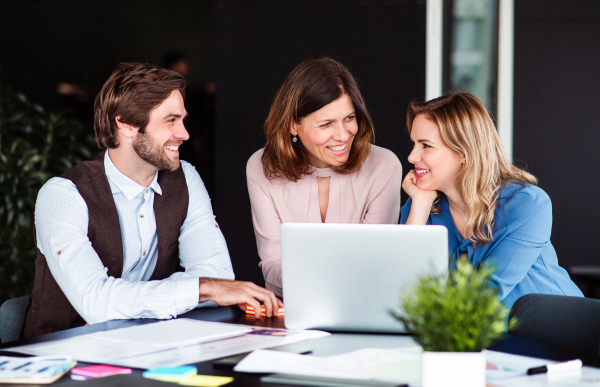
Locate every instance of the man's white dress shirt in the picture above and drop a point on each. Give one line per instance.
(61, 220)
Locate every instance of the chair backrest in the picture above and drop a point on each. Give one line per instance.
(12, 316)
(571, 323)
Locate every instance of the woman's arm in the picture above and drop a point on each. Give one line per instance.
(266, 223)
(528, 221)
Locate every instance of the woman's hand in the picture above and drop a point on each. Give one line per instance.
(409, 185)
(422, 200)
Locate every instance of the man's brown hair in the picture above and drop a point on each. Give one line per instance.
(132, 91)
(314, 83)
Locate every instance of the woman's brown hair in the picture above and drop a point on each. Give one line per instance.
(314, 83)
(466, 128)
(131, 91)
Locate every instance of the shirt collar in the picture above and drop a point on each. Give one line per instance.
(124, 184)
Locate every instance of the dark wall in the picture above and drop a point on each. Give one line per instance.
(44, 42)
(557, 116)
(260, 42)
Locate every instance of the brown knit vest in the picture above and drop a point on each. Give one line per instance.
(50, 311)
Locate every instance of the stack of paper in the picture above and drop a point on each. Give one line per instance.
(397, 365)
(168, 343)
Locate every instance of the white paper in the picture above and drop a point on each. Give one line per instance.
(220, 348)
(351, 365)
(502, 365)
(172, 333)
(585, 377)
(403, 365)
(138, 352)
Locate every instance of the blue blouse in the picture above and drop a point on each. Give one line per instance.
(521, 251)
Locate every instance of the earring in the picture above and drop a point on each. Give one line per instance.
(295, 138)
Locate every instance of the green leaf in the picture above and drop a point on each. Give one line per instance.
(36, 144)
(457, 312)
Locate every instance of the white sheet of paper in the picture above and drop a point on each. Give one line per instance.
(505, 365)
(139, 352)
(173, 333)
(217, 349)
(403, 365)
(351, 365)
(585, 377)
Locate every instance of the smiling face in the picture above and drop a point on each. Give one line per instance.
(328, 133)
(436, 165)
(165, 132)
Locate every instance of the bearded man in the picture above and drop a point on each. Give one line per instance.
(131, 234)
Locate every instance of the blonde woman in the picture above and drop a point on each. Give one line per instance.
(493, 210)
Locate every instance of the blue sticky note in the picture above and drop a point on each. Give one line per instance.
(170, 374)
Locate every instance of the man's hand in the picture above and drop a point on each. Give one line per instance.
(227, 292)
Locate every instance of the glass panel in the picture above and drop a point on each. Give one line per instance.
(471, 51)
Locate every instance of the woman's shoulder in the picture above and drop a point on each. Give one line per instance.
(521, 200)
(256, 173)
(522, 193)
(254, 163)
(381, 160)
(256, 158)
(254, 167)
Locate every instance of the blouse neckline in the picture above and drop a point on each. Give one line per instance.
(323, 172)
(445, 212)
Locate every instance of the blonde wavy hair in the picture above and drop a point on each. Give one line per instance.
(466, 128)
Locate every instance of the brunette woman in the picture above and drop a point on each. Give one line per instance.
(319, 164)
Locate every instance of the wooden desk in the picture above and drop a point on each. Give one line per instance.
(338, 342)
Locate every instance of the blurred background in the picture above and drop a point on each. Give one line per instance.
(534, 63)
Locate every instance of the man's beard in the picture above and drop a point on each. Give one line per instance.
(145, 147)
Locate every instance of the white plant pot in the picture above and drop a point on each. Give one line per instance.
(453, 369)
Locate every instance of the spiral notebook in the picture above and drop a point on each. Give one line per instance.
(34, 370)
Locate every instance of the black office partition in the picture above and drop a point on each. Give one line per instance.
(557, 116)
(260, 42)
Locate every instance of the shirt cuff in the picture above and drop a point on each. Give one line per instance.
(188, 294)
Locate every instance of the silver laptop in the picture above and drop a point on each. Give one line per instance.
(346, 277)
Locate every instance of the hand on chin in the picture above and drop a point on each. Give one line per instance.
(411, 186)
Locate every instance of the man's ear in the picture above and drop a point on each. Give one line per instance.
(125, 129)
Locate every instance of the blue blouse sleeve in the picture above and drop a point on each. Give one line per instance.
(522, 231)
(405, 211)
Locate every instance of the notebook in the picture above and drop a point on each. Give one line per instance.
(33, 370)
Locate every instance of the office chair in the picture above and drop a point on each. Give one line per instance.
(12, 316)
(570, 323)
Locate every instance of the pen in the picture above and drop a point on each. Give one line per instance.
(558, 367)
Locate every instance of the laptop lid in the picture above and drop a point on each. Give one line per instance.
(346, 277)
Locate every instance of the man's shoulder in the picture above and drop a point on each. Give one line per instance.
(86, 170)
(59, 190)
(190, 173)
(58, 184)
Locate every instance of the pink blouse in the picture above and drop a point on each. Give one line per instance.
(370, 195)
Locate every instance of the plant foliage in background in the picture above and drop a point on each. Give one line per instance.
(35, 145)
(459, 312)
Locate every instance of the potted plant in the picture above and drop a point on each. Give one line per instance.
(35, 145)
(454, 317)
